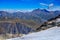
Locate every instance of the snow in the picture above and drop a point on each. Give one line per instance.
(58, 20)
(49, 34)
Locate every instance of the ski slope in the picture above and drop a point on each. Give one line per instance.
(49, 34)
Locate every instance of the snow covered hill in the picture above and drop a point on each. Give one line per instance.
(49, 34)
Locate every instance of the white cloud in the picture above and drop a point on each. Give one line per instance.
(50, 5)
(43, 4)
(47, 4)
(16, 10)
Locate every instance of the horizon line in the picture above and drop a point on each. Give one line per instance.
(25, 10)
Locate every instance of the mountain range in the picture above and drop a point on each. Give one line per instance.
(32, 19)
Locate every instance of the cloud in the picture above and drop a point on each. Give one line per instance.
(43, 4)
(47, 4)
(50, 5)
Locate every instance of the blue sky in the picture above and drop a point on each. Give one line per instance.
(29, 4)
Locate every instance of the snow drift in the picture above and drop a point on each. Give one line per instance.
(49, 34)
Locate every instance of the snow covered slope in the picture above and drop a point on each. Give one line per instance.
(49, 34)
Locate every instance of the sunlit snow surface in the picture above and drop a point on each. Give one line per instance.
(49, 34)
